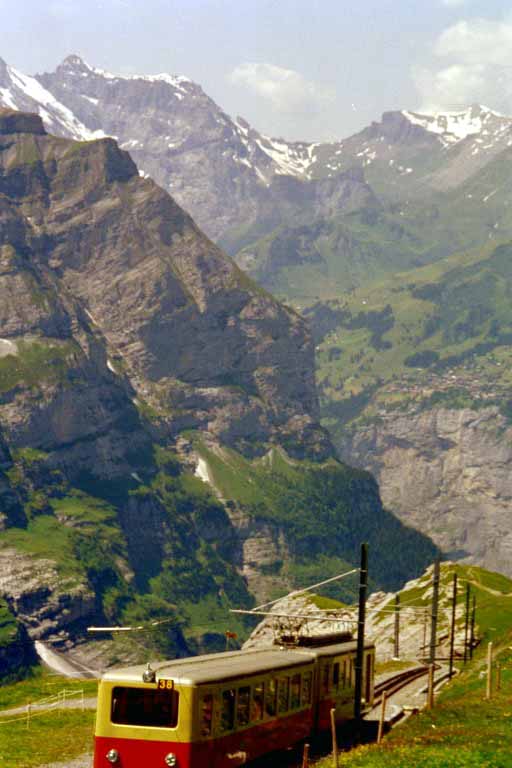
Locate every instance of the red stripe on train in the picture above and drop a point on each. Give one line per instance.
(224, 752)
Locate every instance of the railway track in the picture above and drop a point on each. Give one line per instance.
(397, 682)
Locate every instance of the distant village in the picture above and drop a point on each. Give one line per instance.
(467, 382)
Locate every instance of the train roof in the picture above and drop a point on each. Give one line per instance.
(217, 667)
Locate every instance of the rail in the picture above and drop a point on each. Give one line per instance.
(397, 682)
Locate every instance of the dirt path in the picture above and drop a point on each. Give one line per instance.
(71, 703)
(64, 665)
(84, 761)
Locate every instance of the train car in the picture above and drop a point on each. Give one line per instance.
(222, 710)
(336, 681)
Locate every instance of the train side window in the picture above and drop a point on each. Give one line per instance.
(271, 698)
(325, 680)
(335, 675)
(351, 673)
(295, 692)
(227, 714)
(307, 688)
(244, 701)
(206, 713)
(284, 694)
(144, 706)
(344, 674)
(258, 697)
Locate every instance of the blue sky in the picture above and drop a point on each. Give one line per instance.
(312, 69)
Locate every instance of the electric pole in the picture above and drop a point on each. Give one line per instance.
(363, 584)
(472, 631)
(435, 611)
(452, 628)
(466, 624)
(396, 653)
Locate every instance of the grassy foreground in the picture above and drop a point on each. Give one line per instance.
(54, 736)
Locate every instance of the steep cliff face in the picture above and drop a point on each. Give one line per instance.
(447, 473)
(99, 262)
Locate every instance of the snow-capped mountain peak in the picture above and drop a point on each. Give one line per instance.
(455, 126)
(22, 92)
(76, 66)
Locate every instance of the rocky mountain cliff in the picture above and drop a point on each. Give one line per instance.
(445, 472)
(133, 352)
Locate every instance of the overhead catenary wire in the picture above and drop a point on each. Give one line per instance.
(309, 616)
(297, 592)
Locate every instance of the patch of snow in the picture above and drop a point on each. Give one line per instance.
(202, 471)
(261, 176)
(243, 161)
(143, 174)
(132, 144)
(290, 159)
(241, 128)
(137, 477)
(90, 316)
(176, 81)
(7, 348)
(6, 97)
(90, 98)
(452, 127)
(488, 197)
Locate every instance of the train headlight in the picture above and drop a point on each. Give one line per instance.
(112, 755)
(171, 760)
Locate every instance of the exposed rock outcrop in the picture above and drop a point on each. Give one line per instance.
(448, 473)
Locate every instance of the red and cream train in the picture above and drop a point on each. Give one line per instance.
(224, 709)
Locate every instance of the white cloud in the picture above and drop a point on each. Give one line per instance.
(472, 64)
(286, 89)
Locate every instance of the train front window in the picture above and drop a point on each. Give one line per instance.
(145, 706)
(227, 715)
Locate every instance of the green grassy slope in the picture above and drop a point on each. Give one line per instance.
(450, 316)
(325, 512)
